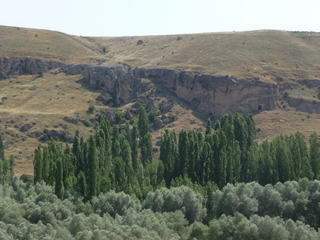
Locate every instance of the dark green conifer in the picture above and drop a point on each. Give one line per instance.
(143, 122)
(146, 149)
(92, 174)
(37, 164)
(59, 178)
(208, 127)
(315, 155)
(134, 146)
(182, 163)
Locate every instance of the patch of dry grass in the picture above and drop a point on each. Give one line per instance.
(26, 42)
(273, 123)
(42, 102)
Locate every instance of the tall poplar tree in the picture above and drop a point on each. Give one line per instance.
(37, 164)
(146, 149)
(241, 135)
(208, 127)
(92, 173)
(76, 150)
(59, 178)
(182, 163)
(143, 122)
(265, 164)
(315, 155)
(134, 146)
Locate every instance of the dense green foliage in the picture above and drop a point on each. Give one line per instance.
(30, 211)
(110, 160)
(110, 185)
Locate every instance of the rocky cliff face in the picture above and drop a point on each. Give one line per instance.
(206, 93)
(215, 94)
(118, 80)
(10, 66)
(304, 105)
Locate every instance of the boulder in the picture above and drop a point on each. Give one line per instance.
(139, 42)
(135, 108)
(26, 178)
(128, 115)
(122, 130)
(111, 116)
(158, 123)
(150, 105)
(70, 120)
(26, 127)
(165, 106)
(172, 117)
(166, 120)
(34, 134)
(63, 136)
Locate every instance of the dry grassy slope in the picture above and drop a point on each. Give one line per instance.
(241, 54)
(45, 102)
(24, 42)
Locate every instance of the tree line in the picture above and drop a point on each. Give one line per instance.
(226, 153)
(196, 189)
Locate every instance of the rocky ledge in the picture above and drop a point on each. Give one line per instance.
(217, 95)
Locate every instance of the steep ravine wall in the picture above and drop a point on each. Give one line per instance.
(215, 94)
(206, 93)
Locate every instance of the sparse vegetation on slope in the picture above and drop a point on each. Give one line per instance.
(264, 54)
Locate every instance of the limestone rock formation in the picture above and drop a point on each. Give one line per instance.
(217, 95)
(114, 79)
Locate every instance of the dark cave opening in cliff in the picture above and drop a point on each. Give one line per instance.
(259, 107)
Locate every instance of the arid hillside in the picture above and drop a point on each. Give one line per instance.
(265, 54)
(49, 79)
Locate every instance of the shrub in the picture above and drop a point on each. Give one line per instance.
(174, 199)
(152, 114)
(87, 123)
(91, 108)
(110, 100)
(40, 72)
(132, 121)
(140, 101)
(119, 116)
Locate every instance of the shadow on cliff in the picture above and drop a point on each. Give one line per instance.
(86, 85)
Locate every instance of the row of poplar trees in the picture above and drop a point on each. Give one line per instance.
(6, 165)
(105, 161)
(230, 154)
(227, 153)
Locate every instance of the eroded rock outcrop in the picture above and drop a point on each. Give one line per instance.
(304, 105)
(10, 66)
(118, 80)
(215, 94)
(206, 93)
